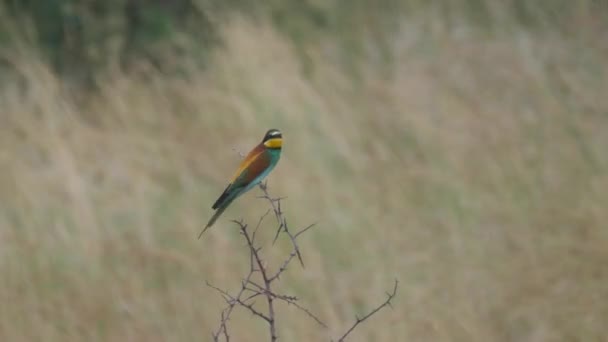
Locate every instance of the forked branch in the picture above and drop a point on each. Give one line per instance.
(259, 281)
(251, 288)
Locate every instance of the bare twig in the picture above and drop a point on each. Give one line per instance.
(233, 301)
(275, 203)
(271, 319)
(259, 280)
(293, 301)
(283, 266)
(225, 316)
(250, 288)
(360, 320)
(305, 229)
(237, 300)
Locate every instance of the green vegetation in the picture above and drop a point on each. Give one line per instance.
(457, 146)
(87, 37)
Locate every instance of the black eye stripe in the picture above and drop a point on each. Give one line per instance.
(272, 134)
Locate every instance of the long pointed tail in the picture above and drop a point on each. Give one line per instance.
(215, 216)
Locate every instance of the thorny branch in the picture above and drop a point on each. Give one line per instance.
(250, 289)
(263, 286)
(275, 203)
(359, 320)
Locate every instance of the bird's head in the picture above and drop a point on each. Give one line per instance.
(273, 139)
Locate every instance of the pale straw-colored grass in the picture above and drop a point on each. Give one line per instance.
(474, 171)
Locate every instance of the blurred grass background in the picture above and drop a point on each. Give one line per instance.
(459, 146)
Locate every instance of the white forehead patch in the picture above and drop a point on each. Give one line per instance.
(275, 133)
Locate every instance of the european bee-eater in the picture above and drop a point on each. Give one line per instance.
(253, 169)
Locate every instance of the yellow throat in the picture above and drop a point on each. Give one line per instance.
(274, 143)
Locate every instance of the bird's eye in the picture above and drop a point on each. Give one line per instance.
(273, 134)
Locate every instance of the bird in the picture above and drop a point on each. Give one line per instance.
(253, 169)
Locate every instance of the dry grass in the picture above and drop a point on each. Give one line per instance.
(474, 171)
